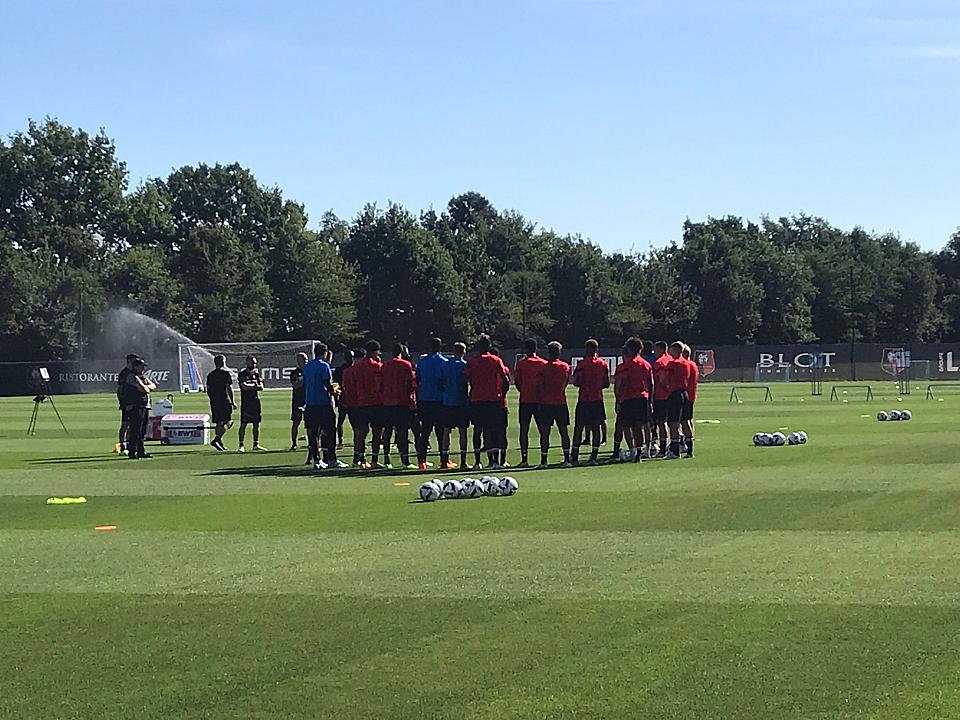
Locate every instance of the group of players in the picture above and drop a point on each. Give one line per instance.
(387, 400)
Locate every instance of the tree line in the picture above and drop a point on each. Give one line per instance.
(220, 257)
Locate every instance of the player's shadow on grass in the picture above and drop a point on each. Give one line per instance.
(303, 471)
(98, 458)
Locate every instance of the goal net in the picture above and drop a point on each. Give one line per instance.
(772, 373)
(275, 360)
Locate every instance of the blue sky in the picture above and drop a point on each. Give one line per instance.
(615, 119)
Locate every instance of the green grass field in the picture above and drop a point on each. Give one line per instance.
(817, 581)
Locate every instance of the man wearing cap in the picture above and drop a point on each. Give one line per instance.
(138, 405)
(122, 393)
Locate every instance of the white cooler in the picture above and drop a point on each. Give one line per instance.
(185, 429)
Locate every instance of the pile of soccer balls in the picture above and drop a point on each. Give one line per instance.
(468, 488)
(894, 415)
(778, 438)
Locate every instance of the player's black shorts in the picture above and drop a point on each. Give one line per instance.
(486, 413)
(296, 413)
(528, 411)
(504, 417)
(659, 411)
(396, 416)
(125, 415)
(221, 412)
(676, 406)
(687, 409)
(456, 416)
(549, 414)
(318, 416)
(250, 411)
(371, 415)
(635, 412)
(431, 414)
(590, 413)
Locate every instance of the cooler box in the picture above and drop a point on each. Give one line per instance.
(185, 429)
(161, 408)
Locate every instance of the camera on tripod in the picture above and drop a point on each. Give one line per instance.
(40, 380)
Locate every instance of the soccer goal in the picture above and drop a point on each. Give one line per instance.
(772, 373)
(275, 360)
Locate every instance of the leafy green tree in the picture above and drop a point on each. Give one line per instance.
(226, 297)
(409, 288)
(140, 279)
(61, 191)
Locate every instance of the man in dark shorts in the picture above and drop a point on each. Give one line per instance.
(339, 398)
(430, 400)
(366, 405)
(591, 377)
(298, 399)
(487, 377)
(676, 380)
(220, 393)
(633, 383)
(527, 378)
(398, 385)
(123, 393)
(552, 407)
(318, 415)
(693, 379)
(661, 392)
(251, 384)
(456, 408)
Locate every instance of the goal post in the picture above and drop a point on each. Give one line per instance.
(275, 360)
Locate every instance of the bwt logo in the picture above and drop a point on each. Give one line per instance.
(802, 360)
(946, 362)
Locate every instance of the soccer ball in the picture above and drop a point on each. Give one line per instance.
(452, 489)
(491, 486)
(794, 438)
(471, 488)
(905, 415)
(766, 439)
(778, 439)
(894, 414)
(508, 486)
(758, 439)
(803, 437)
(430, 491)
(882, 416)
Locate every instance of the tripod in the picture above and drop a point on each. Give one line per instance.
(37, 401)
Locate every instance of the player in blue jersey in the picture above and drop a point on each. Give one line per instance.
(456, 407)
(430, 399)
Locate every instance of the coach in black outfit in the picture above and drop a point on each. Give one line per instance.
(138, 406)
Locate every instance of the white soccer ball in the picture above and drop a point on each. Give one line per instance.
(905, 415)
(882, 416)
(779, 439)
(758, 439)
(491, 486)
(508, 486)
(471, 488)
(430, 491)
(803, 437)
(894, 415)
(794, 438)
(452, 489)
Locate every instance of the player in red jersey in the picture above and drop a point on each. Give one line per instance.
(398, 386)
(487, 379)
(661, 392)
(693, 378)
(552, 409)
(366, 404)
(592, 377)
(527, 377)
(633, 383)
(675, 377)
